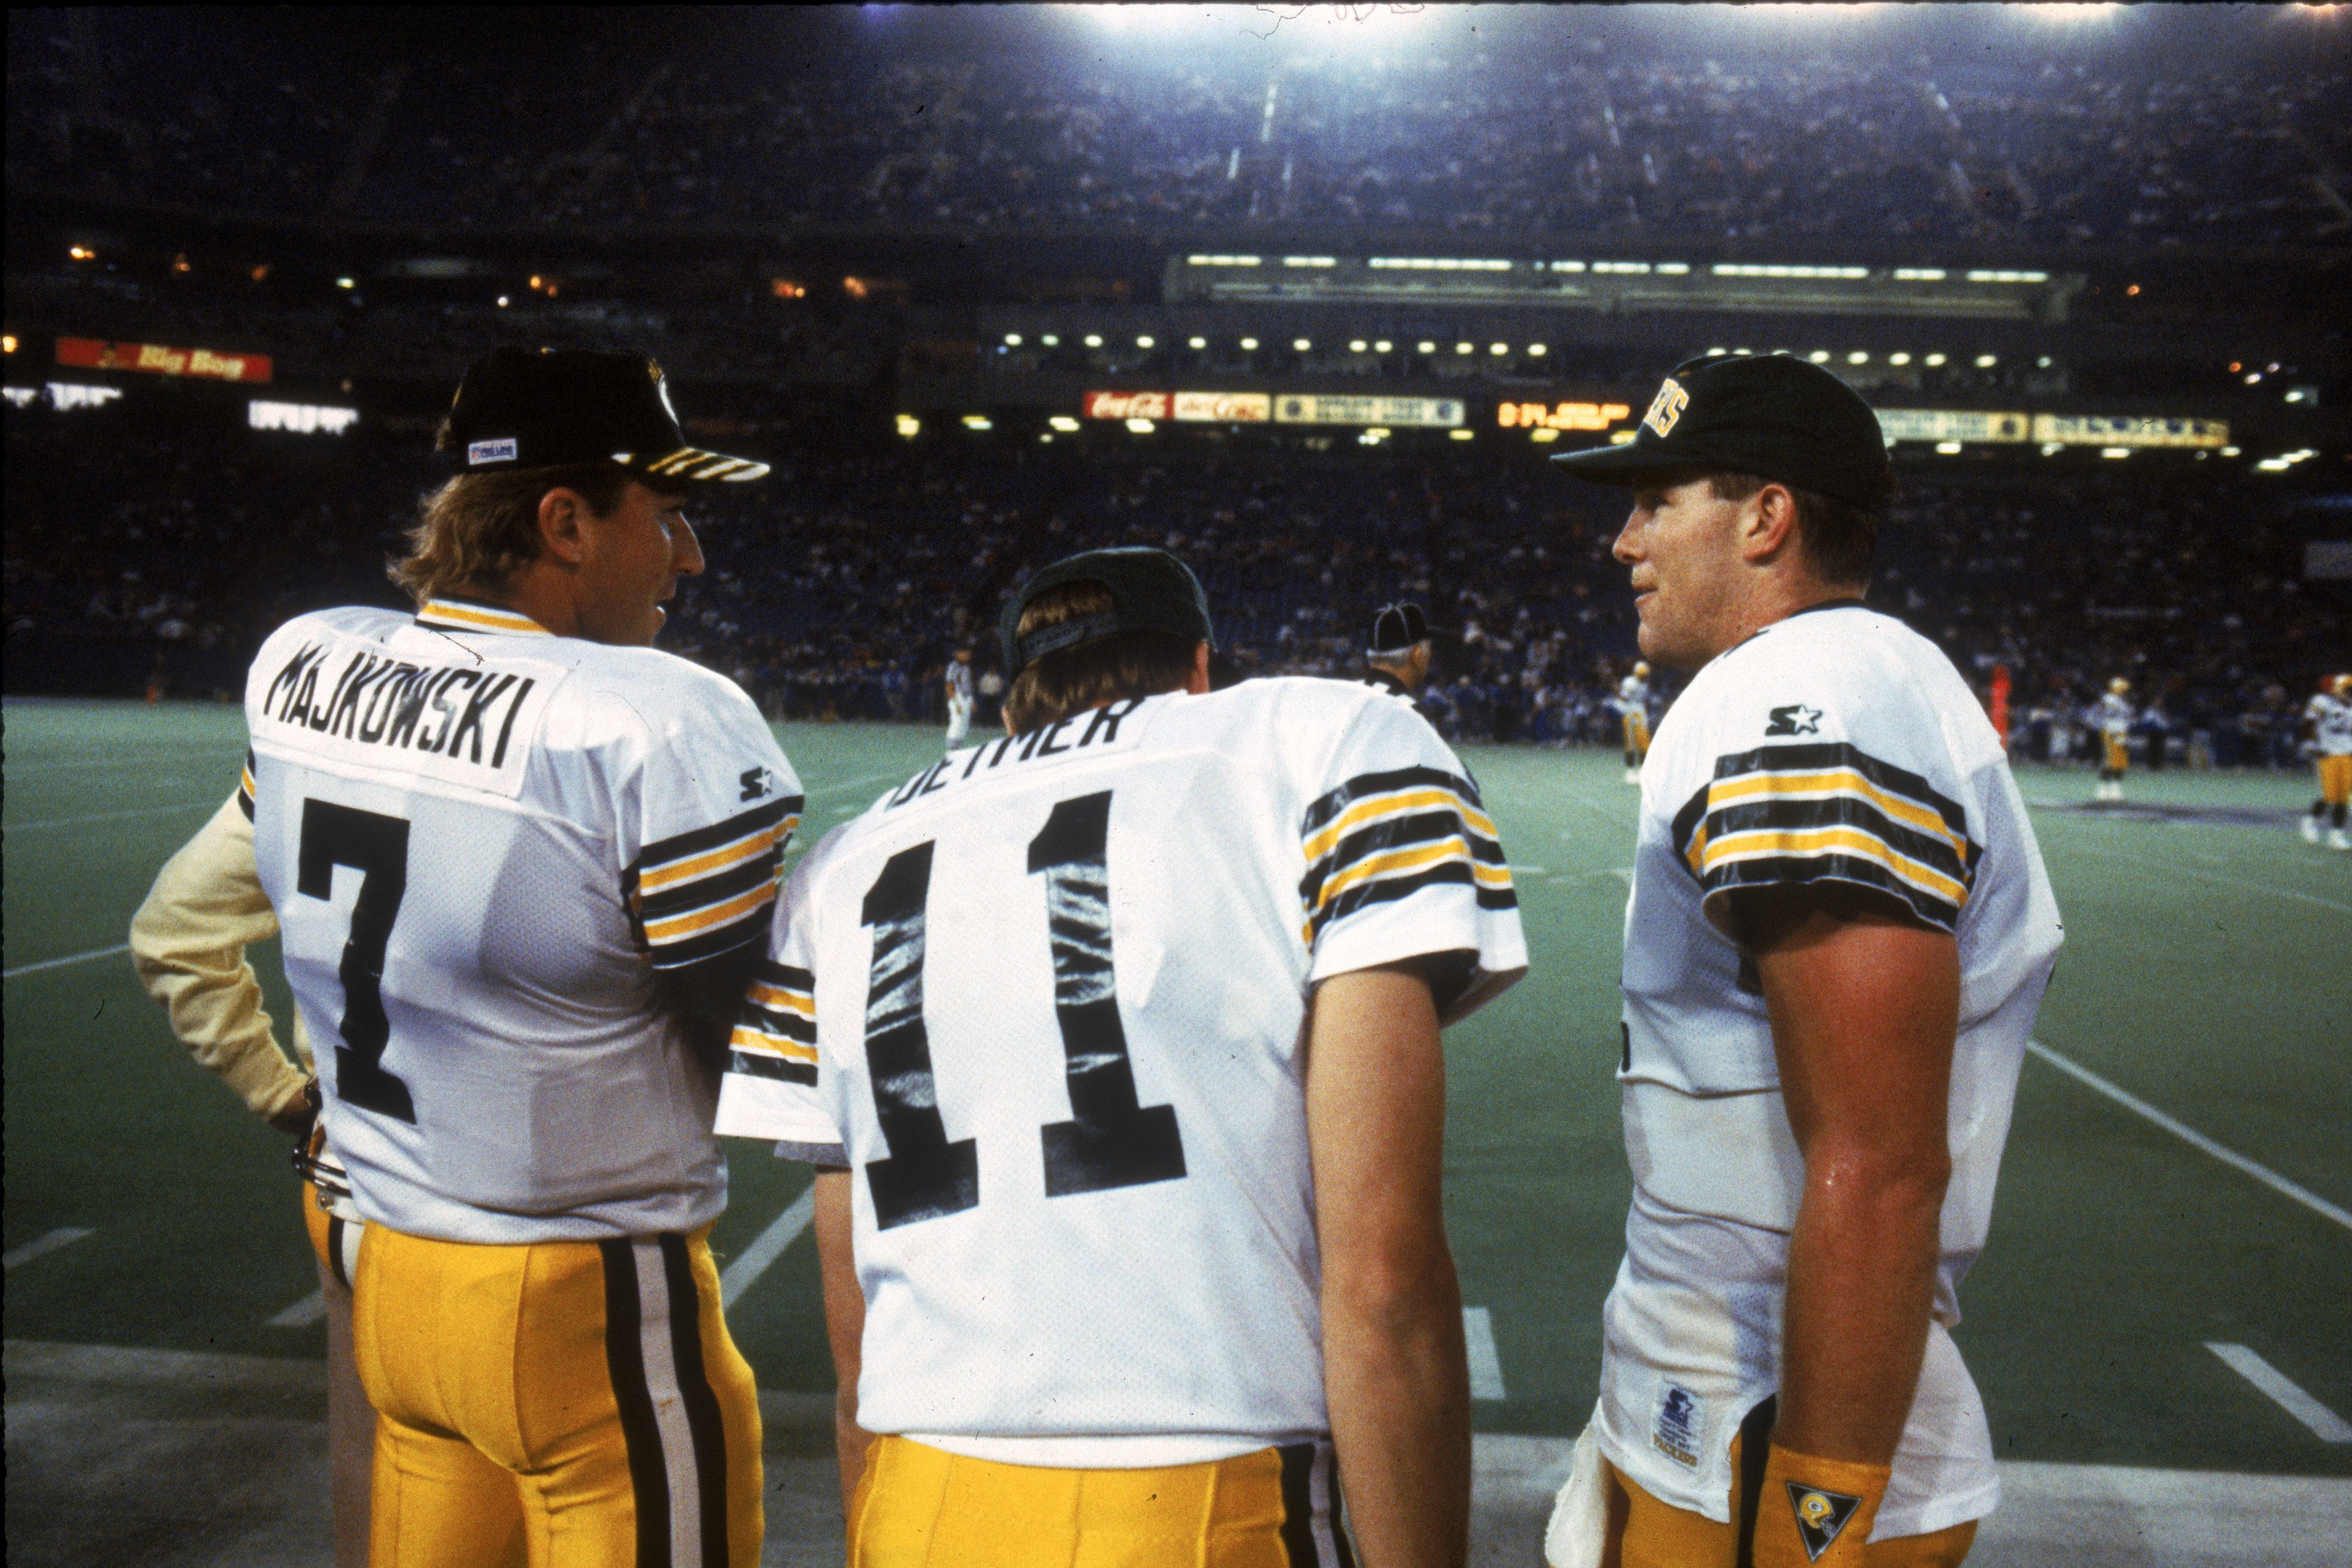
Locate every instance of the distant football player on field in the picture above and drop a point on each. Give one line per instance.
(1116, 1042)
(188, 942)
(522, 863)
(2114, 718)
(1397, 661)
(2328, 716)
(1839, 936)
(958, 685)
(1634, 711)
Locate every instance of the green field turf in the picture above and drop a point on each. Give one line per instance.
(2208, 971)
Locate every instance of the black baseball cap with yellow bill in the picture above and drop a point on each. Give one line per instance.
(519, 408)
(1771, 416)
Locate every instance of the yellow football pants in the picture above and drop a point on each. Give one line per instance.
(918, 1508)
(1637, 734)
(1644, 1532)
(579, 1398)
(2118, 754)
(2336, 780)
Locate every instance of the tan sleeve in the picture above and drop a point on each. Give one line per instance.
(188, 943)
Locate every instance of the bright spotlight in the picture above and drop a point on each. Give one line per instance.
(1857, 357)
(1144, 342)
(1011, 340)
(1094, 340)
(1462, 435)
(1050, 341)
(1249, 345)
(1063, 423)
(1819, 356)
(910, 427)
(1898, 358)
(1300, 345)
(1498, 347)
(978, 422)
(1935, 360)
(1949, 448)
(1986, 361)
(1196, 342)
(1427, 347)
(1536, 350)
(1462, 348)
(1141, 427)
(1383, 346)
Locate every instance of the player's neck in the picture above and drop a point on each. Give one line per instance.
(544, 595)
(1773, 598)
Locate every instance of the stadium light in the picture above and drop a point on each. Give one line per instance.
(2230, 450)
(2043, 362)
(1463, 436)
(1427, 347)
(1383, 346)
(502, 301)
(2114, 451)
(347, 283)
(1462, 348)
(83, 253)
(1141, 427)
(1819, 356)
(1196, 342)
(1536, 350)
(1717, 353)
(1543, 436)
(1249, 345)
(1898, 358)
(1145, 343)
(1935, 359)
(1011, 340)
(910, 427)
(978, 422)
(179, 262)
(8, 343)
(1300, 345)
(1949, 448)
(1045, 438)
(1063, 423)
(1094, 340)
(1355, 345)
(1986, 361)
(1737, 351)
(1498, 347)
(1050, 341)
(1857, 357)
(1368, 439)
(2053, 448)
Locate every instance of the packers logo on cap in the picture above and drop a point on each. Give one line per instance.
(1666, 407)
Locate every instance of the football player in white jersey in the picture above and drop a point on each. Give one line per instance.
(958, 685)
(188, 942)
(2328, 716)
(1398, 660)
(1116, 1042)
(522, 863)
(2114, 717)
(1633, 709)
(1838, 939)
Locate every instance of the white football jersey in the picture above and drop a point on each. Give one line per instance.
(959, 682)
(2331, 724)
(1836, 746)
(483, 843)
(2114, 716)
(1046, 999)
(1633, 696)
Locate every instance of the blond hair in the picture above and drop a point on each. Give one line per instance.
(1054, 685)
(479, 529)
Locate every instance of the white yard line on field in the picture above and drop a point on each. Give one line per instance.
(210, 804)
(302, 1313)
(781, 1232)
(2171, 868)
(61, 963)
(1486, 1366)
(2284, 1392)
(42, 1246)
(2193, 1138)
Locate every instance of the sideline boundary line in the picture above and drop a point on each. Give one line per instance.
(2214, 877)
(2193, 1138)
(42, 1246)
(112, 815)
(755, 1259)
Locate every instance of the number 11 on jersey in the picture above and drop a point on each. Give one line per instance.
(1110, 1141)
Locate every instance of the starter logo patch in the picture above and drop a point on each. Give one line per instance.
(1678, 1427)
(502, 450)
(1795, 719)
(1820, 1516)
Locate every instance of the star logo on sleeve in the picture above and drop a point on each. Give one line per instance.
(1795, 719)
(1821, 1515)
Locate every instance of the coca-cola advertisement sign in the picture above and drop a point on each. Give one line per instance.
(1127, 406)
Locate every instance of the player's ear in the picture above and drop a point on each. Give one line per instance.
(1768, 525)
(562, 515)
(1198, 682)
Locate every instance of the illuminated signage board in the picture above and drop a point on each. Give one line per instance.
(95, 354)
(2129, 430)
(1941, 425)
(1307, 408)
(1226, 408)
(1127, 406)
(303, 418)
(1562, 415)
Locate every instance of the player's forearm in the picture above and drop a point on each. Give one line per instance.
(1861, 1279)
(1398, 1384)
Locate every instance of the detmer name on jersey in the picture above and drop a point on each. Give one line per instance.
(1046, 1001)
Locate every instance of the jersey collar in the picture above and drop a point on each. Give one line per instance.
(1849, 603)
(448, 612)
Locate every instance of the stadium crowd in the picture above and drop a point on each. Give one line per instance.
(1597, 137)
(140, 552)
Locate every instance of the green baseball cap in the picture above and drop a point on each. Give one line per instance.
(1150, 590)
(1767, 414)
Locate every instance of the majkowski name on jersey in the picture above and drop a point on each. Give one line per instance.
(1045, 1000)
(483, 843)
